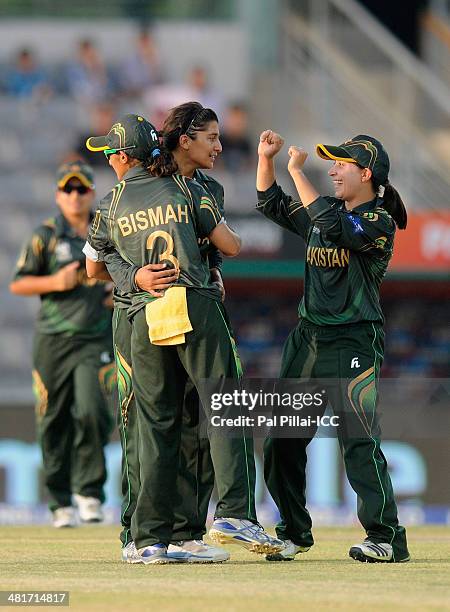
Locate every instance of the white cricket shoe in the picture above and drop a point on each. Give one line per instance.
(64, 517)
(372, 552)
(288, 553)
(245, 533)
(155, 554)
(130, 554)
(89, 508)
(196, 551)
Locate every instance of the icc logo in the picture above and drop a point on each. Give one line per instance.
(354, 363)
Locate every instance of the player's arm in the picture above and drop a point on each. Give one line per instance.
(97, 269)
(99, 251)
(215, 269)
(371, 234)
(215, 259)
(128, 278)
(211, 224)
(153, 278)
(64, 280)
(226, 239)
(31, 274)
(273, 203)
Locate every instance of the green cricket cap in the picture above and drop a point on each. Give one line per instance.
(133, 134)
(363, 150)
(75, 169)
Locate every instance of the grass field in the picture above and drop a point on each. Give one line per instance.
(85, 561)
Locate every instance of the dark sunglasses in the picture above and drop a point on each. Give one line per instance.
(109, 152)
(82, 190)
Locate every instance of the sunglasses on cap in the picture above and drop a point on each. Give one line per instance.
(82, 190)
(109, 152)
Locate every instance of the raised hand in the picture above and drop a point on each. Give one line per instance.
(297, 158)
(270, 143)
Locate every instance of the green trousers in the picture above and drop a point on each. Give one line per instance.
(73, 418)
(159, 379)
(195, 480)
(352, 356)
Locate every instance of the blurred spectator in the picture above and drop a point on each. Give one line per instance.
(199, 83)
(160, 99)
(141, 70)
(102, 117)
(26, 79)
(87, 76)
(237, 148)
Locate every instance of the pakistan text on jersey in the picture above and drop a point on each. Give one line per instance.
(327, 257)
(161, 215)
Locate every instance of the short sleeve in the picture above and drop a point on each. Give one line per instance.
(32, 260)
(98, 236)
(205, 210)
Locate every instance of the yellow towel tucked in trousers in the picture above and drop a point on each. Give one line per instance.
(168, 318)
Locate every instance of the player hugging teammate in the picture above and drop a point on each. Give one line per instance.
(164, 210)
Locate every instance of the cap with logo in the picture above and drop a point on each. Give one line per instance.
(75, 169)
(133, 134)
(364, 150)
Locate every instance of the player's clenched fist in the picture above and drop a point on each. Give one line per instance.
(297, 157)
(67, 278)
(270, 143)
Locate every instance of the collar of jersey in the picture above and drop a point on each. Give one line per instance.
(136, 171)
(362, 207)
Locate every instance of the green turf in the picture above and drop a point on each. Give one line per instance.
(85, 561)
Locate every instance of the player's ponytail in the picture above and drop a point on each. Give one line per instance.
(392, 202)
(163, 164)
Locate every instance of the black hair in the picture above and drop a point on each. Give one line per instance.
(188, 118)
(163, 164)
(392, 203)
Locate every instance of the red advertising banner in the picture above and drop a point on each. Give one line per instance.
(424, 245)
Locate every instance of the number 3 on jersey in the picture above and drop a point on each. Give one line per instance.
(167, 254)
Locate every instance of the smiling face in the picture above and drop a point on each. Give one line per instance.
(204, 149)
(350, 181)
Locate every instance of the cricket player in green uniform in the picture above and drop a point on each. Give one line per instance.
(196, 475)
(72, 355)
(179, 336)
(349, 242)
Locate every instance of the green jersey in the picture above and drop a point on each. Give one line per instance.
(347, 254)
(153, 220)
(123, 273)
(78, 312)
